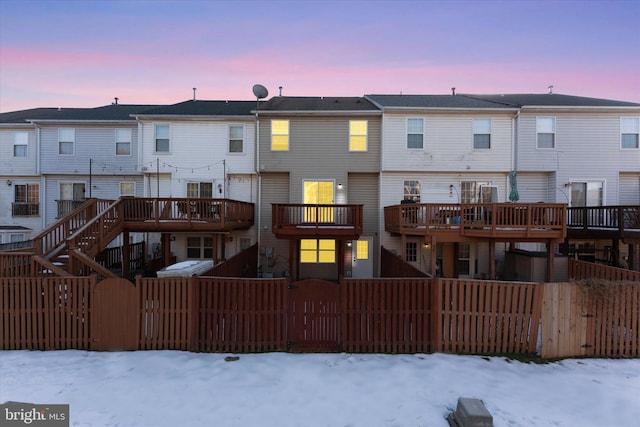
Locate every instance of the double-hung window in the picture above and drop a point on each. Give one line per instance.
(236, 139)
(199, 247)
(20, 144)
(412, 191)
(357, 135)
(66, 141)
(546, 131)
(481, 134)
(279, 135)
(415, 133)
(162, 138)
(27, 200)
(123, 142)
(630, 132)
(127, 189)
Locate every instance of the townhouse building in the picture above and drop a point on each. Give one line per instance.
(318, 160)
(200, 149)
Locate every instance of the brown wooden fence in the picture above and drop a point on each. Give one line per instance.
(392, 265)
(579, 270)
(418, 315)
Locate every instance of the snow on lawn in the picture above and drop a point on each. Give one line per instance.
(173, 388)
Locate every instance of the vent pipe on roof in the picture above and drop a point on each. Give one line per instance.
(194, 93)
(453, 91)
(280, 90)
(116, 99)
(551, 90)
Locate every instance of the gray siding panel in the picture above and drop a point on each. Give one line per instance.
(275, 189)
(364, 190)
(629, 189)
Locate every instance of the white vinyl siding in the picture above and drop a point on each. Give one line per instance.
(66, 141)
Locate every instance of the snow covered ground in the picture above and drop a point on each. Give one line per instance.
(172, 388)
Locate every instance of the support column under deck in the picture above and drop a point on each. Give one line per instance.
(550, 261)
(126, 255)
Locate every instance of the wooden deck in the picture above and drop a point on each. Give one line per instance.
(522, 222)
(298, 221)
(604, 222)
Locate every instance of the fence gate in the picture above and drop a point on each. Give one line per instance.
(115, 321)
(314, 316)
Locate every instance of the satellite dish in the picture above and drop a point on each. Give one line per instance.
(260, 91)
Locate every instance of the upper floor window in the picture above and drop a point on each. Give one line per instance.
(279, 135)
(123, 142)
(66, 141)
(127, 189)
(358, 135)
(26, 200)
(481, 134)
(415, 133)
(162, 138)
(630, 132)
(20, 144)
(236, 139)
(412, 191)
(546, 130)
(200, 190)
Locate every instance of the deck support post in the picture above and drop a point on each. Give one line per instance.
(165, 240)
(550, 261)
(632, 257)
(434, 256)
(492, 259)
(126, 254)
(293, 260)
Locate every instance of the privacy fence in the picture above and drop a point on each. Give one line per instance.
(418, 315)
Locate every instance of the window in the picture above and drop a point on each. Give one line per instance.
(318, 193)
(127, 189)
(476, 192)
(162, 138)
(123, 142)
(412, 191)
(245, 243)
(630, 132)
(412, 252)
(587, 193)
(481, 134)
(199, 247)
(66, 141)
(317, 251)
(200, 190)
(546, 129)
(236, 139)
(415, 133)
(358, 135)
(279, 135)
(17, 237)
(20, 144)
(26, 200)
(362, 249)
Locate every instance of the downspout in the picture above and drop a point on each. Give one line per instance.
(259, 190)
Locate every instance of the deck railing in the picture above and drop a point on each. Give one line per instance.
(305, 218)
(620, 218)
(490, 219)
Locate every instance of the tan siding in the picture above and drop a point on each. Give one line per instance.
(275, 189)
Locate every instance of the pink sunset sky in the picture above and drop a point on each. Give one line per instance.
(58, 53)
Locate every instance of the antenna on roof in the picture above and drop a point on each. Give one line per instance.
(550, 89)
(194, 93)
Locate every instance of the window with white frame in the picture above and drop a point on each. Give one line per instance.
(127, 189)
(481, 134)
(66, 141)
(199, 247)
(412, 252)
(200, 190)
(412, 191)
(587, 193)
(476, 192)
(630, 132)
(546, 132)
(20, 144)
(415, 133)
(162, 135)
(236, 139)
(318, 251)
(464, 259)
(358, 135)
(245, 243)
(17, 237)
(123, 142)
